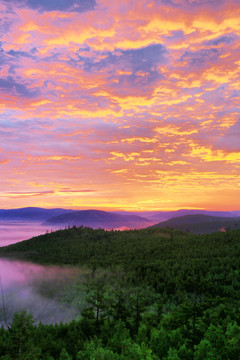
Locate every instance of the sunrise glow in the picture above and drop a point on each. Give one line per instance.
(130, 105)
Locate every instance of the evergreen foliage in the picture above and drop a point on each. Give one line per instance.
(151, 294)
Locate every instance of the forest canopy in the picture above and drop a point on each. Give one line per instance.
(151, 294)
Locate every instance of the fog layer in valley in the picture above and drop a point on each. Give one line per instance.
(36, 289)
(14, 231)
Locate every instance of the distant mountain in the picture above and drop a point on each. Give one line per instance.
(159, 216)
(200, 224)
(98, 219)
(122, 219)
(30, 214)
(236, 213)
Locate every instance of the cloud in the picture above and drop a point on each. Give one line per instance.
(200, 57)
(136, 70)
(15, 88)
(57, 5)
(79, 190)
(224, 39)
(134, 60)
(4, 161)
(193, 3)
(175, 35)
(230, 142)
(144, 59)
(22, 53)
(16, 194)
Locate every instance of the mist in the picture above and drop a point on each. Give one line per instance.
(15, 231)
(36, 289)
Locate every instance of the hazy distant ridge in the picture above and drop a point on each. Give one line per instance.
(159, 216)
(200, 223)
(99, 219)
(104, 219)
(30, 213)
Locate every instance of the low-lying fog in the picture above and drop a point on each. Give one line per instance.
(14, 231)
(34, 288)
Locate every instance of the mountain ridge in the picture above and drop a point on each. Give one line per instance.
(30, 213)
(129, 219)
(98, 219)
(200, 223)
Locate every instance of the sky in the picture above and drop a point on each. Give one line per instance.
(120, 105)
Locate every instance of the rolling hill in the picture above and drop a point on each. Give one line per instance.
(159, 216)
(98, 219)
(36, 214)
(200, 224)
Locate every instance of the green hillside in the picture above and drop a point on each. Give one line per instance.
(151, 294)
(85, 246)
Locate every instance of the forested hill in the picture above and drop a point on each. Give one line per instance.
(84, 245)
(144, 248)
(200, 224)
(151, 294)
